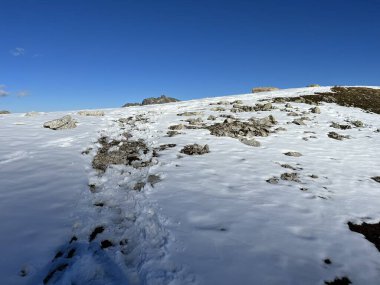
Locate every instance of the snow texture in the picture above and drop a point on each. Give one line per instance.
(202, 219)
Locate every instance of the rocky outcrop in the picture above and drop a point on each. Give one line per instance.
(159, 100)
(153, 100)
(65, 122)
(4, 112)
(264, 89)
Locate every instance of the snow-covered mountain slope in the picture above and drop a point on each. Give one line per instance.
(238, 214)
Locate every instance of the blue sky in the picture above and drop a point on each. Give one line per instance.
(61, 55)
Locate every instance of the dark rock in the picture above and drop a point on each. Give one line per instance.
(131, 105)
(340, 126)
(293, 153)
(273, 180)
(4, 112)
(315, 110)
(105, 244)
(195, 149)
(290, 177)
(337, 136)
(95, 232)
(339, 281)
(189, 114)
(376, 178)
(250, 142)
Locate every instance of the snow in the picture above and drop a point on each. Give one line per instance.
(212, 219)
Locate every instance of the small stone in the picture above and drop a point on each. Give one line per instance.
(288, 105)
(315, 110)
(357, 123)
(273, 180)
(211, 118)
(250, 142)
(299, 122)
(293, 153)
(153, 179)
(176, 127)
(337, 136)
(218, 109)
(139, 186)
(189, 114)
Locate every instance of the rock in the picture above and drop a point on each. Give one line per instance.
(337, 136)
(218, 109)
(65, 122)
(273, 180)
(315, 110)
(290, 177)
(131, 105)
(376, 178)
(197, 149)
(189, 114)
(299, 100)
(313, 85)
(238, 102)
(339, 281)
(194, 121)
(293, 114)
(176, 127)
(172, 133)
(263, 89)
(279, 129)
(299, 122)
(293, 153)
(211, 118)
(288, 166)
(341, 127)
(263, 107)
(4, 112)
(288, 105)
(31, 114)
(250, 142)
(94, 113)
(139, 186)
(357, 123)
(236, 108)
(159, 100)
(153, 179)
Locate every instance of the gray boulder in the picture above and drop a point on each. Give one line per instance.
(65, 122)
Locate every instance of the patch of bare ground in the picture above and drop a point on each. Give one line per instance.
(370, 231)
(365, 98)
(339, 281)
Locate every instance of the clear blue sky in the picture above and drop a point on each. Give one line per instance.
(72, 54)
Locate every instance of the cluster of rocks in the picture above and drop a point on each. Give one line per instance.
(63, 123)
(195, 149)
(4, 112)
(153, 100)
(124, 152)
(236, 129)
(258, 107)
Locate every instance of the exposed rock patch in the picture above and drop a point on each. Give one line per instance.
(290, 177)
(250, 142)
(65, 122)
(189, 114)
(339, 281)
(195, 149)
(370, 231)
(4, 112)
(125, 152)
(340, 126)
(376, 178)
(235, 129)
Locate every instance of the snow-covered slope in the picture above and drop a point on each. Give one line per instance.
(200, 219)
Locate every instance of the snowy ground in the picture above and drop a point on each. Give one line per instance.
(212, 219)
